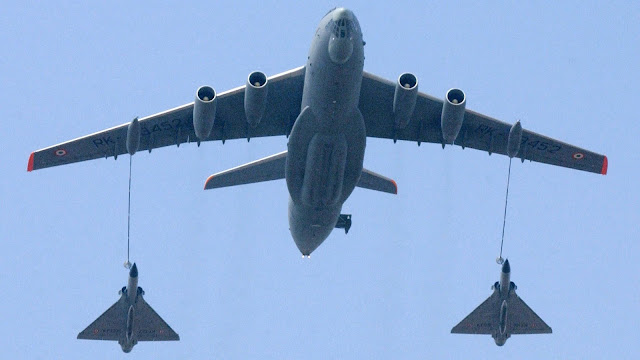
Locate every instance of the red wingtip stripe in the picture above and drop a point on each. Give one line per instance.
(30, 165)
(207, 182)
(396, 185)
(605, 166)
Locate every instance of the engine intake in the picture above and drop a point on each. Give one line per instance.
(404, 99)
(204, 111)
(255, 97)
(452, 115)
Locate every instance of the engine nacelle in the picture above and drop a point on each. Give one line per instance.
(255, 97)
(404, 99)
(204, 111)
(452, 115)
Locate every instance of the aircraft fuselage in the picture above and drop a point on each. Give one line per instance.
(505, 286)
(327, 142)
(128, 342)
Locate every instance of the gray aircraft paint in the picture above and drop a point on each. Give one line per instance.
(129, 320)
(327, 142)
(502, 314)
(327, 107)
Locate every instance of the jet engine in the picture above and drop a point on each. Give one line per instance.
(255, 97)
(204, 111)
(452, 115)
(404, 99)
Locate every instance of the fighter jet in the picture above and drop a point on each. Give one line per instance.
(327, 109)
(129, 320)
(502, 314)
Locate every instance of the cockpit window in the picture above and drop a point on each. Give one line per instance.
(343, 28)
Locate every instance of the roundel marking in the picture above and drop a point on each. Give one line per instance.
(61, 152)
(578, 156)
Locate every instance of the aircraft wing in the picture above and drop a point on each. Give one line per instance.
(150, 326)
(478, 131)
(522, 320)
(110, 325)
(483, 320)
(175, 126)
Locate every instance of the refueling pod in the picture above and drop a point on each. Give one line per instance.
(204, 111)
(404, 99)
(133, 136)
(452, 115)
(255, 97)
(515, 137)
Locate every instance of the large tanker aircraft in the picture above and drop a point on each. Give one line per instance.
(326, 109)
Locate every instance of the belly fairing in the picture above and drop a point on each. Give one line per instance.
(324, 170)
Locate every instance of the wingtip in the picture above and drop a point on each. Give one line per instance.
(206, 183)
(396, 186)
(30, 164)
(605, 166)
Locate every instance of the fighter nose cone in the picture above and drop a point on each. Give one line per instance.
(505, 267)
(134, 271)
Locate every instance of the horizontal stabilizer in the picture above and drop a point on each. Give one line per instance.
(272, 168)
(372, 181)
(265, 169)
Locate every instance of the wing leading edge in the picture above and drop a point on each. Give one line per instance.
(483, 320)
(150, 326)
(111, 325)
(478, 131)
(523, 320)
(108, 326)
(175, 126)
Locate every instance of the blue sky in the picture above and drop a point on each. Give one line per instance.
(221, 267)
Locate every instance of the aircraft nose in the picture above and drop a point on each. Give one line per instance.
(506, 268)
(134, 271)
(342, 14)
